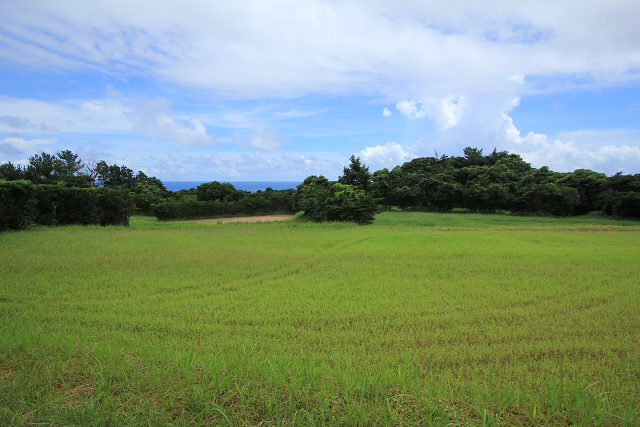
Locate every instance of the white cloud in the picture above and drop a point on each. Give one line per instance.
(100, 116)
(412, 109)
(386, 112)
(445, 112)
(16, 146)
(460, 64)
(480, 121)
(264, 140)
(261, 139)
(13, 122)
(259, 49)
(450, 110)
(250, 166)
(295, 114)
(385, 156)
(34, 117)
(152, 118)
(568, 156)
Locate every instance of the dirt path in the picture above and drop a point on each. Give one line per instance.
(261, 218)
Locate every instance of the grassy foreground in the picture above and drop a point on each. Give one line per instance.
(329, 324)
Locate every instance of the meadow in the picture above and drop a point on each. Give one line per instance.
(411, 321)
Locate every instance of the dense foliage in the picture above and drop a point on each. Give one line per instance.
(22, 203)
(323, 200)
(48, 191)
(209, 202)
(504, 182)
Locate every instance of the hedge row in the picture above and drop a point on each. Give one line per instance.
(188, 209)
(23, 203)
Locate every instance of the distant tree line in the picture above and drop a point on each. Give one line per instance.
(504, 182)
(62, 189)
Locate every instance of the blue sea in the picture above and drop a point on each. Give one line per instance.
(252, 186)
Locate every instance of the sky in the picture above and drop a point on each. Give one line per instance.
(280, 90)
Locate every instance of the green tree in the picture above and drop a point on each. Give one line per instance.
(356, 174)
(44, 168)
(142, 178)
(114, 176)
(350, 203)
(622, 195)
(311, 197)
(403, 197)
(474, 156)
(10, 172)
(70, 164)
(382, 187)
(589, 185)
(223, 191)
(323, 200)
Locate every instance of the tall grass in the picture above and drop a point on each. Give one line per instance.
(318, 324)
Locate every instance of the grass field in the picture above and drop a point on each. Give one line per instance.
(467, 220)
(322, 324)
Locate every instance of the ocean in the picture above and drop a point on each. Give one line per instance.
(252, 186)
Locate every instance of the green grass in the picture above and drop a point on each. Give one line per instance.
(471, 220)
(319, 324)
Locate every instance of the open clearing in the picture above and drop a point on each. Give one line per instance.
(295, 323)
(258, 218)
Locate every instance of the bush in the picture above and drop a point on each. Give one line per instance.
(17, 205)
(331, 201)
(188, 209)
(22, 203)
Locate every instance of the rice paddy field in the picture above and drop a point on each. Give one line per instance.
(420, 319)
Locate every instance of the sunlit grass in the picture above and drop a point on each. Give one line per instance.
(318, 324)
(471, 220)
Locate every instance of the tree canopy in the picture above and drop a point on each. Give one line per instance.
(46, 191)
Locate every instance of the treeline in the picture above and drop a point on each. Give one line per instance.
(221, 199)
(504, 182)
(474, 182)
(23, 203)
(62, 189)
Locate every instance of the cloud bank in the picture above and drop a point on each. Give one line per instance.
(454, 71)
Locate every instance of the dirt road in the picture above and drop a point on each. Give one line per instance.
(261, 218)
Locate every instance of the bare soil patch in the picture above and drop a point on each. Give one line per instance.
(261, 218)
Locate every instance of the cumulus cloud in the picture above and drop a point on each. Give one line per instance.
(412, 109)
(560, 156)
(14, 146)
(386, 112)
(480, 120)
(385, 156)
(445, 112)
(461, 65)
(152, 118)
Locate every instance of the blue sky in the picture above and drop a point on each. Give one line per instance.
(252, 90)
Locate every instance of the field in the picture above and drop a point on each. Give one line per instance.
(411, 321)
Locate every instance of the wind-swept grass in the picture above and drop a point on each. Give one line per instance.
(318, 324)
